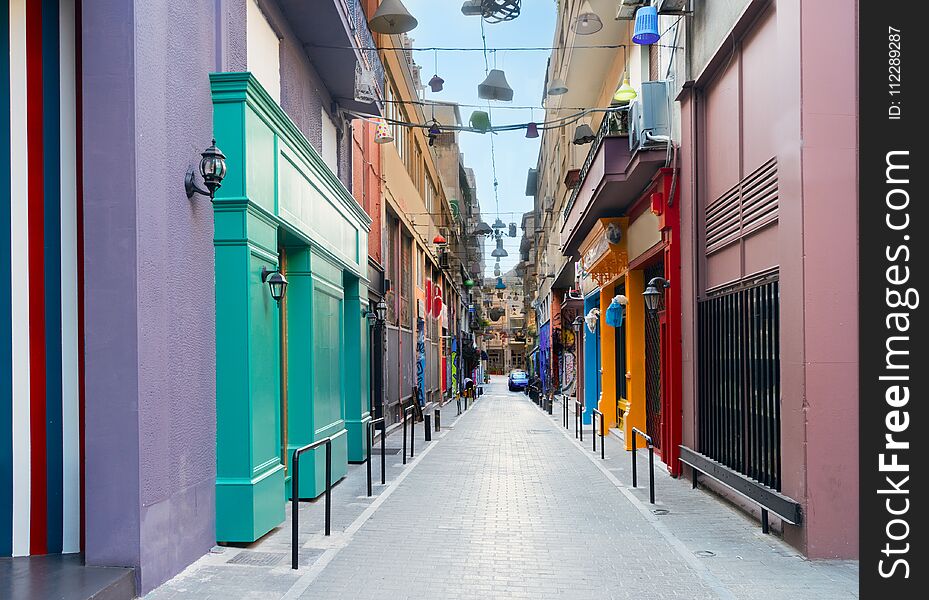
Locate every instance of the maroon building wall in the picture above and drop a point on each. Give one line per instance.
(782, 85)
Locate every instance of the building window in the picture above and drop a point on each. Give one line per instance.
(739, 391)
(263, 51)
(393, 262)
(406, 283)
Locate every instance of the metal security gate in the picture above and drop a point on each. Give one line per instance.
(653, 364)
(739, 403)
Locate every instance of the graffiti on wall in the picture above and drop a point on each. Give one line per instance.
(454, 377)
(421, 360)
(568, 373)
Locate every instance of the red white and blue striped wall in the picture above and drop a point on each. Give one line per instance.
(41, 404)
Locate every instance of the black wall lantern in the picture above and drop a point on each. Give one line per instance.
(577, 324)
(276, 282)
(212, 169)
(378, 315)
(654, 293)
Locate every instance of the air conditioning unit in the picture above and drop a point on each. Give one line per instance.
(627, 8)
(650, 116)
(673, 7)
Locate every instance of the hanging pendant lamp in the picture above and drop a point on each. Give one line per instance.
(557, 87)
(499, 224)
(500, 285)
(472, 8)
(392, 18)
(433, 131)
(480, 121)
(625, 93)
(382, 133)
(436, 83)
(587, 22)
(646, 26)
(482, 228)
(583, 134)
(532, 130)
(499, 251)
(495, 87)
(497, 270)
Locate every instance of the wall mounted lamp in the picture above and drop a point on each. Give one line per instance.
(654, 293)
(276, 281)
(212, 169)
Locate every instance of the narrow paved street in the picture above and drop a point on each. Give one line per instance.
(505, 504)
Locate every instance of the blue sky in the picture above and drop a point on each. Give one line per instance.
(442, 24)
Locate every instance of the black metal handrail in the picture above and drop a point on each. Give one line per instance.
(295, 491)
(407, 414)
(371, 425)
(593, 432)
(578, 420)
(651, 463)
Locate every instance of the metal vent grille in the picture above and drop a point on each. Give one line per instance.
(256, 559)
(748, 206)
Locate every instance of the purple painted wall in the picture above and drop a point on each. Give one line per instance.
(150, 343)
(150, 383)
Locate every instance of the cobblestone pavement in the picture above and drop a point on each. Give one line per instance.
(506, 504)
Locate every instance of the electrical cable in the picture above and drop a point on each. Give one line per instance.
(473, 48)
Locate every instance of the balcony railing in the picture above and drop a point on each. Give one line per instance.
(614, 123)
(364, 39)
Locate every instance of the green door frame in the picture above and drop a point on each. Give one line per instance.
(276, 184)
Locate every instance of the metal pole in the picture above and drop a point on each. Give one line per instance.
(370, 442)
(602, 439)
(633, 460)
(651, 473)
(427, 425)
(403, 416)
(383, 452)
(328, 485)
(294, 511)
(412, 430)
(593, 428)
(438, 419)
(764, 521)
(580, 417)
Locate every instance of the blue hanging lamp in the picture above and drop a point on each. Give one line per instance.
(500, 285)
(646, 26)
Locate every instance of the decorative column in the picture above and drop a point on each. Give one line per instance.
(249, 473)
(635, 354)
(357, 388)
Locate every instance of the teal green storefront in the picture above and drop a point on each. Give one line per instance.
(291, 373)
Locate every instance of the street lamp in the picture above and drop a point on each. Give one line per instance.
(654, 293)
(577, 324)
(276, 281)
(212, 169)
(381, 309)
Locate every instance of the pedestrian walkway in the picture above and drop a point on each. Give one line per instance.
(506, 504)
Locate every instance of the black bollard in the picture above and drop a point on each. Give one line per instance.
(427, 426)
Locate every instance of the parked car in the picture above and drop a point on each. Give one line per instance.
(517, 380)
